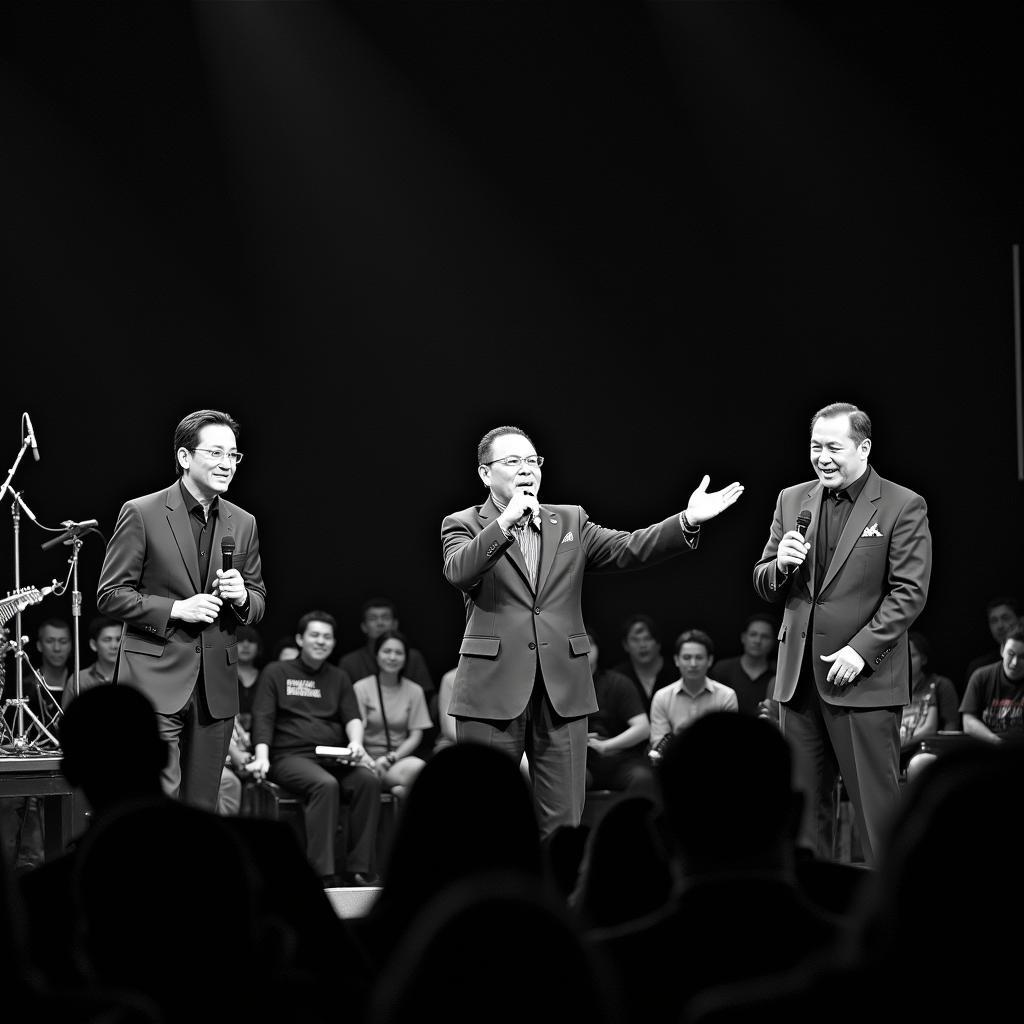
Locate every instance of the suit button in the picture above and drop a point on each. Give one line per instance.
(536, 611)
(199, 649)
(533, 646)
(803, 636)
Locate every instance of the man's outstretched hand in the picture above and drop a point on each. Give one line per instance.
(704, 504)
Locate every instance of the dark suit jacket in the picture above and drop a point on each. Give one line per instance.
(150, 563)
(510, 626)
(873, 590)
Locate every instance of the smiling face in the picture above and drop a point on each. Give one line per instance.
(316, 644)
(837, 459)
(1001, 620)
(391, 656)
(203, 475)
(504, 481)
(1013, 659)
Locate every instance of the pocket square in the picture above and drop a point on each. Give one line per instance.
(567, 538)
(872, 531)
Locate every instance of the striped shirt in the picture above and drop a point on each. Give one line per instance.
(528, 535)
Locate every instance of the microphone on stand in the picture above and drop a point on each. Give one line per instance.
(71, 529)
(32, 437)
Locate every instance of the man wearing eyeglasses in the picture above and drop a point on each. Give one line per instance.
(163, 577)
(523, 681)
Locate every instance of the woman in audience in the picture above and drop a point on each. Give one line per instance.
(394, 713)
(933, 706)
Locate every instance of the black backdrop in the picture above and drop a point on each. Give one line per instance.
(657, 236)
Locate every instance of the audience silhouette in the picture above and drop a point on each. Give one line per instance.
(954, 824)
(469, 811)
(626, 870)
(468, 948)
(732, 814)
(112, 753)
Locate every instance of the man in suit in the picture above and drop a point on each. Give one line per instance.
(161, 578)
(523, 682)
(852, 588)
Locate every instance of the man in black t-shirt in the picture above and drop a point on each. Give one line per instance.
(299, 705)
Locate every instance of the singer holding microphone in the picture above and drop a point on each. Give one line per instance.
(181, 571)
(850, 554)
(523, 681)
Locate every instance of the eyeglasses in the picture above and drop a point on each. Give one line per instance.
(218, 453)
(515, 461)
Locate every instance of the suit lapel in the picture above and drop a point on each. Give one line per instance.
(550, 538)
(181, 530)
(860, 516)
(487, 514)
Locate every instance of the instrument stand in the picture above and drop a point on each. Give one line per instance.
(20, 744)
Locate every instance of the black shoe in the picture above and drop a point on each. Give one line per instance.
(331, 882)
(362, 878)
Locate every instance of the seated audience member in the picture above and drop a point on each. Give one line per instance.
(445, 722)
(644, 664)
(750, 674)
(478, 939)
(284, 650)
(28, 992)
(1002, 615)
(950, 823)
(104, 642)
(626, 871)
(53, 642)
(993, 706)
(209, 915)
(234, 776)
(618, 732)
(732, 815)
(470, 812)
(934, 706)
(693, 693)
(250, 661)
(379, 615)
(112, 754)
(301, 704)
(394, 712)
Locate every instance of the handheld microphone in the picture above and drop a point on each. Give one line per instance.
(32, 437)
(535, 516)
(227, 549)
(803, 520)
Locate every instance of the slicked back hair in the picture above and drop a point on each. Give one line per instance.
(186, 434)
(860, 422)
(483, 449)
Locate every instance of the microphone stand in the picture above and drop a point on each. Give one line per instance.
(73, 536)
(19, 743)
